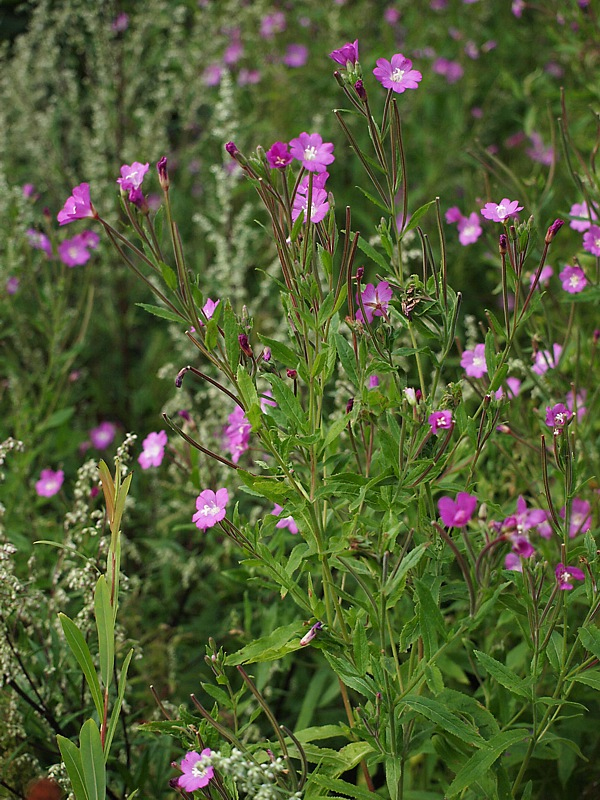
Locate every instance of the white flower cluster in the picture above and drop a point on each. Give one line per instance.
(256, 781)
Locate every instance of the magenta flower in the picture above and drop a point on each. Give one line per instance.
(212, 75)
(513, 386)
(498, 212)
(196, 771)
(237, 434)
(308, 637)
(314, 154)
(397, 74)
(153, 450)
(75, 252)
(271, 24)
(591, 240)
(78, 206)
(209, 308)
(210, 508)
(546, 273)
(295, 56)
(49, 483)
(469, 229)
(132, 176)
(278, 155)
(573, 280)
(102, 436)
(318, 207)
(285, 522)
(373, 381)
(545, 360)
(28, 190)
(440, 421)
(543, 154)
(584, 217)
(12, 285)
(557, 416)
(566, 575)
(319, 179)
(346, 56)
(375, 300)
(457, 513)
(581, 516)
(39, 240)
(234, 50)
(120, 23)
(248, 77)
(521, 545)
(513, 562)
(453, 215)
(473, 361)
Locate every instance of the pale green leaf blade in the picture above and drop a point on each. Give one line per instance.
(103, 612)
(82, 653)
(92, 761)
(505, 676)
(114, 717)
(72, 760)
(480, 763)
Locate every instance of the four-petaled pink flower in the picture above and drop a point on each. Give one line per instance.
(557, 416)
(197, 773)
(49, 483)
(545, 360)
(153, 450)
(102, 436)
(566, 575)
(584, 217)
(318, 208)
(132, 176)
(580, 520)
(78, 206)
(278, 156)
(469, 229)
(397, 74)
(347, 53)
(591, 240)
(310, 149)
(285, 522)
(237, 434)
(573, 280)
(375, 300)
(210, 508)
(440, 421)
(498, 212)
(474, 362)
(457, 513)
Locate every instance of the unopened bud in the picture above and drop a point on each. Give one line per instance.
(266, 354)
(179, 378)
(292, 373)
(360, 90)
(311, 634)
(553, 230)
(245, 345)
(232, 149)
(502, 244)
(349, 405)
(163, 175)
(359, 274)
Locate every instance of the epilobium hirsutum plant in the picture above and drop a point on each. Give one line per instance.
(437, 495)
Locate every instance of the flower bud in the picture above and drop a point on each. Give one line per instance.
(553, 230)
(266, 354)
(360, 90)
(245, 345)
(163, 175)
(292, 373)
(349, 405)
(502, 244)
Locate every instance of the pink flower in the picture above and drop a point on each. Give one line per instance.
(591, 240)
(391, 15)
(209, 308)
(237, 434)
(566, 575)
(517, 8)
(346, 56)
(451, 70)
(28, 190)
(39, 240)
(373, 381)
(314, 154)
(469, 229)
(513, 386)
(581, 516)
(196, 772)
(453, 215)
(576, 400)
(457, 513)
(513, 562)
(538, 151)
(545, 360)
(153, 450)
(545, 275)
(397, 74)
(132, 176)
(285, 522)
(210, 508)
(557, 416)
(318, 207)
(573, 280)
(375, 300)
(120, 23)
(319, 179)
(498, 212)
(473, 361)
(440, 421)
(234, 50)
(49, 483)
(102, 436)
(521, 545)
(584, 217)
(74, 252)
(12, 285)
(278, 155)
(295, 56)
(248, 77)
(78, 206)
(212, 75)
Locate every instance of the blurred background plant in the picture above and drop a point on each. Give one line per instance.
(86, 87)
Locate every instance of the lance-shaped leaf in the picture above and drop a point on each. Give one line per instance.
(105, 625)
(92, 761)
(82, 653)
(72, 760)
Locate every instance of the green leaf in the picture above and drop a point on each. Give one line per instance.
(505, 676)
(480, 763)
(163, 313)
(230, 329)
(590, 639)
(490, 353)
(589, 678)
(431, 622)
(114, 717)
(498, 378)
(349, 675)
(347, 357)
(269, 648)
(394, 588)
(342, 787)
(58, 418)
(360, 646)
(393, 776)
(373, 200)
(103, 611)
(92, 761)
(288, 404)
(72, 760)
(373, 254)
(416, 216)
(247, 388)
(496, 326)
(335, 430)
(169, 275)
(439, 714)
(211, 336)
(81, 652)
(272, 489)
